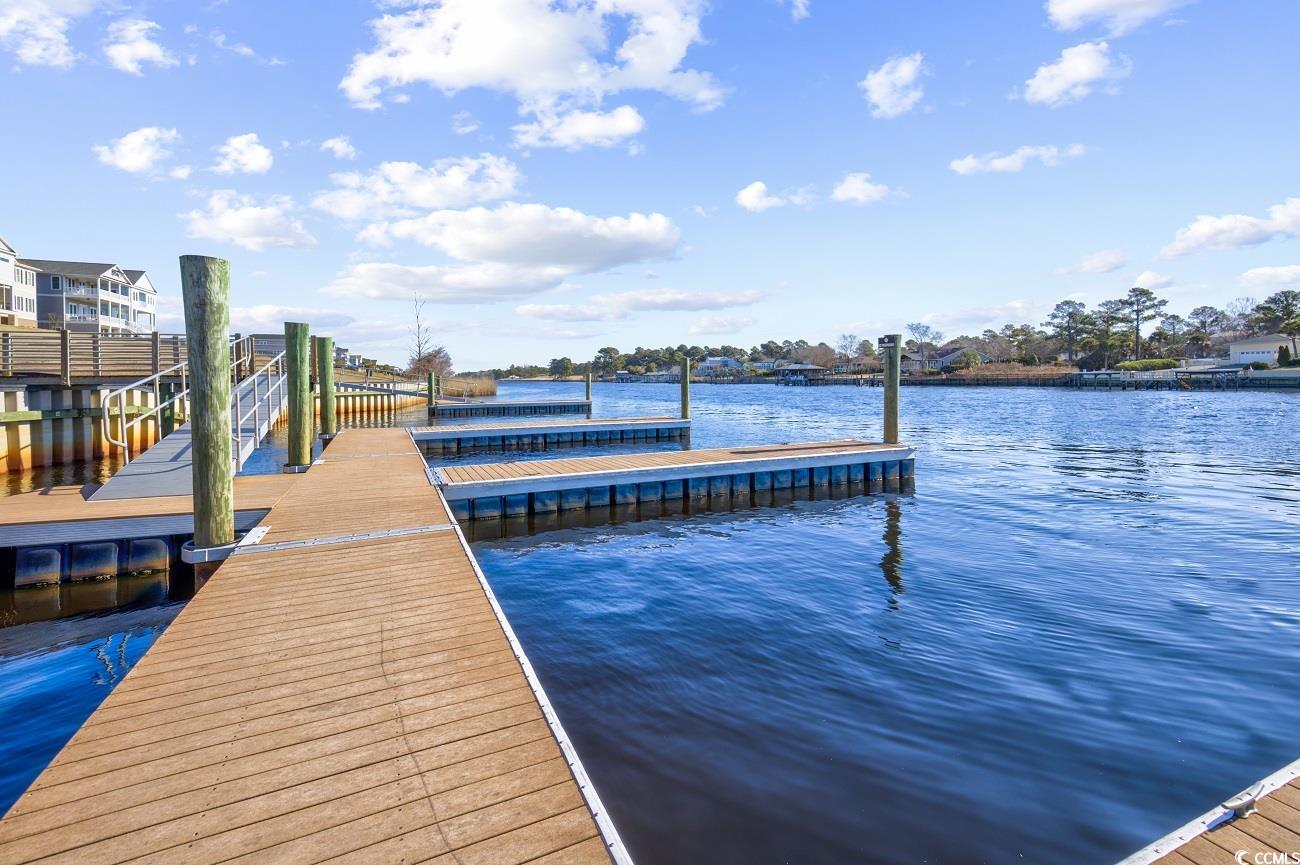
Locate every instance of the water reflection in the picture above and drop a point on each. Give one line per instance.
(134, 591)
(891, 563)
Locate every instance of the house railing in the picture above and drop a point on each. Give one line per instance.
(95, 356)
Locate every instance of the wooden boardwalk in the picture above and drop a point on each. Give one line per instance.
(345, 690)
(1269, 836)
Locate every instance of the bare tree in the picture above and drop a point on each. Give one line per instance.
(924, 335)
(847, 346)
(421, 332)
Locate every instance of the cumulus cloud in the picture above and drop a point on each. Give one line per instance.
(895, 88)
(1236, 230)
(138, 152)
(463, 123)
(1120, 16)
(552, 57)
(1009, 163)
(403, 188)
(36, 31)
(271, 317)
(578, 129)
(756, 198)
(340, 147)
(621, 305)
(799, 9)
(243, 220)
(1152, 280)
(243, 154)
(857, 188)
(474, 283)
(535, 235)
(1267, 277)
(1106, 261)
(1075, 73)
(129, 45)
(713, 325)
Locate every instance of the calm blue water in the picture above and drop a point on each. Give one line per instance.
(1082, 631)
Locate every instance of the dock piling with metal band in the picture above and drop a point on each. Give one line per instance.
(205, 287)
(892, 347)
(296, 337)
(329, 424)
(686, 388)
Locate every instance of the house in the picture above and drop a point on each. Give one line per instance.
(800, 371)
(913, 361)
(856, 365)
(17, 289)
(1253, 349)
(354, 361)
(762, 365)
(952, 358)
(719, 366)
(89, 297)
(340, 356)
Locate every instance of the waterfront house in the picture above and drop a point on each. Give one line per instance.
(856, 365)
(913, 361)
(762, 366)
(792, 372)
(354, 361)
(720, 366)
(17, 289)
(952, 358)
(1255, 349)
(89, 297)
(340, 356)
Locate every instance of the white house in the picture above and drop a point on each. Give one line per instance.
(719, 366)
(17, 289)
(89, 297)
(1253, 349)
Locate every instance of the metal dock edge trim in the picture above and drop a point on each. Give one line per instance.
(613, 843)
(524, 428)
(1212, 818)
(458, 490)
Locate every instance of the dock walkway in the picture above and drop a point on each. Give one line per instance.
(544, 433)
(346, 689)
(450, 408)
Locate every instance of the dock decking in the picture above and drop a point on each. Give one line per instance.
(544, 486)
(1269, 835)
(535, 434)
(509, 408)
(344, 690)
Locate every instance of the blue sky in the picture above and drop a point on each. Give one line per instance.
(555, 177)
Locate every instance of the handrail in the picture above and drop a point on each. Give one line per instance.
(237, 434)
(240, 357)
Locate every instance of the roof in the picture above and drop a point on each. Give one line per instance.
(69, 268)
(1262, 339)
(798, 367)
(5, 247)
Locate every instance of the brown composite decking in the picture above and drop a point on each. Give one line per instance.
(354, 701)
(625, 462)
(1269, 836)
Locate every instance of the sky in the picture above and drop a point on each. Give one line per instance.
(553, 177)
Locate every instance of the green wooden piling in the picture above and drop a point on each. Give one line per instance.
(892, 347)
(167, 412)
(329, 424)
(205, 287)
(429, 396)
(686, 388)
(296, 337)
(588, 381)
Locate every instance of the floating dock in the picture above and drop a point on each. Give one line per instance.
(537, 435)
(344, 687)
(507, 408)
(1259, 825)
(546, 486)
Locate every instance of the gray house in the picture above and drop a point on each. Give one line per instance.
(89, 297)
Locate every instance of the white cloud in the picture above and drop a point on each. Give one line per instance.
(1009, 163)
(756, 198)
(36, 31)
(463, 123)
(1120, 16)
(799, 9)
(181, 172)
(243, 154)
(621, 305)
(977, 318)
(894, 88)
(1075, 73)
(553, 57)
(340, 147)
(402, 188)
(1152, 280)
(1262, 277)
(269, 317)
(138, 152)
(475, 283)
(535, 235)
(1106, 261)
(1236, 230)
(857, 188)
(240, 219)
(712, 325)
(578, 129)
(129, 45)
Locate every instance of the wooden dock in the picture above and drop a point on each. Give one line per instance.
(545, 486)
(507, 407)
(1268, 835)
(539, 434)
(345, 689)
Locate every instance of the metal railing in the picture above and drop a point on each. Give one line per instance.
(177, 402)
(276, 377)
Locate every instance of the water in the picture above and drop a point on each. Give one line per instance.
(1082, 631)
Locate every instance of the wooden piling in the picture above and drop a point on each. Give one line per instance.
(432, 395)
(299, 395)
(205, 286)
(891, 346)
(329, 424)
(588, 383)
(686, 388)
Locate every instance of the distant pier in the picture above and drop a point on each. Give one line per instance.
(539, 435)
(444, 408)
